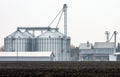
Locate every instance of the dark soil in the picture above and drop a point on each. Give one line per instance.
(59, 69)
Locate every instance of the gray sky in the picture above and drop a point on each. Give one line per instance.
(87, 19)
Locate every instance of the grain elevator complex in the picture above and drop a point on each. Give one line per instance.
(52, 45)
(49, 40)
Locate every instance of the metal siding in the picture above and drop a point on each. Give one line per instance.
(51, 44)
(25, 59)
(8, 59)
(34, 59)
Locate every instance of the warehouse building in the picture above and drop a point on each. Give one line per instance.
(26, 56)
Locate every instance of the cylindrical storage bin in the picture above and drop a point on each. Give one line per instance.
(30, 41)
(17, 41)
(51, 41)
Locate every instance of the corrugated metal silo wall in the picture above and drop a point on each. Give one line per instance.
(8, 44)
(50, 44)
(18, 44)
(29, 44)
(68, 49)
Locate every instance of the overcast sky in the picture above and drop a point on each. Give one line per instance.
(87, 19)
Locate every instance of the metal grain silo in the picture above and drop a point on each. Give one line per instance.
(29, 40)
(16, 41)
(51, 41)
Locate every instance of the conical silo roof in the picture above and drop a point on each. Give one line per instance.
(17, 34)
(51, 34)
(59, 34)
(28, 34)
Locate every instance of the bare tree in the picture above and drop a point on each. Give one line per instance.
(74, 53)
(2, 48)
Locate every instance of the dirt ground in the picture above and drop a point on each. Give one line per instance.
(59, 69)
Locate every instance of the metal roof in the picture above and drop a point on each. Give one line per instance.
(29, 35)
(26, 54)
(17, 34)
(85, 46)
(51, 34)
(104, 45)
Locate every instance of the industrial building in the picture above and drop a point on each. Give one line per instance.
(86, 51)
(100, 51)
(103, 50)
(50, 39)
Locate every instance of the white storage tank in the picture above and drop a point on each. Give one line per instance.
(51, 41)
(17, 41)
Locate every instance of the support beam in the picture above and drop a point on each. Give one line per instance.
(36, 28)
